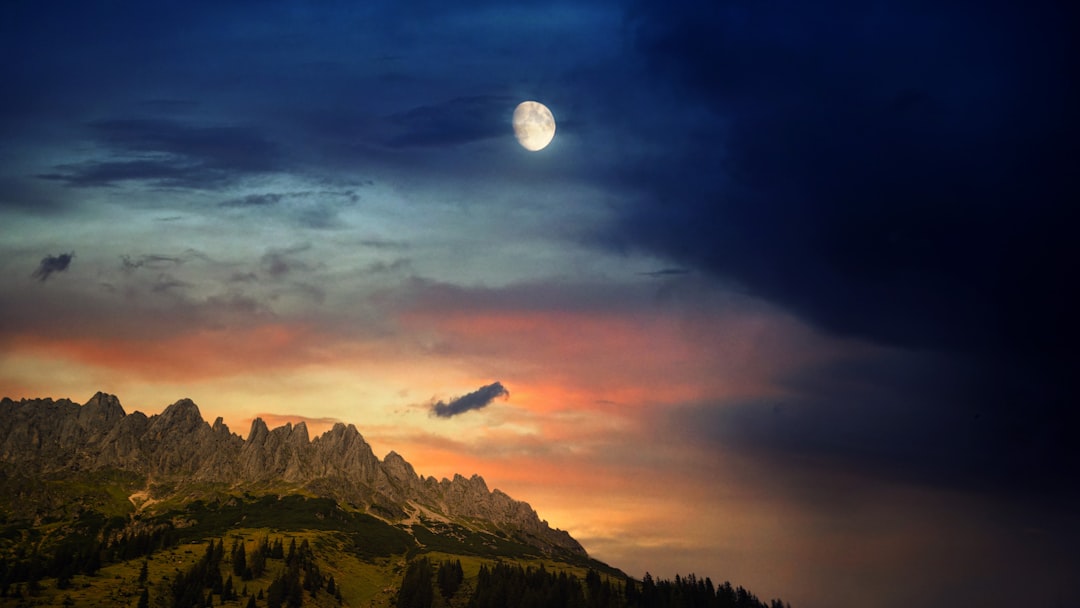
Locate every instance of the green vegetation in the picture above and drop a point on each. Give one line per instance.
(57, 497)
(506, 585)
(270, 550)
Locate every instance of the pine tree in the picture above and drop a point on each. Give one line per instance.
(239, 560)
(257, 567)
(416, 590)
(449, 577)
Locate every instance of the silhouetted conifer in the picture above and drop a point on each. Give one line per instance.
(416, 590)
(239, 559)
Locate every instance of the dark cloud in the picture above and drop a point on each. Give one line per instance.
(279, 263)
(254, 200)
(666, 272)
(395, 266)
(453, 122)
(879, 174)
(154, 261)
(29, 195)
(166, 283)
(52, 263)
(897, 173)
(172, 154)
(475, 400)
(318, 210)
(904, 417)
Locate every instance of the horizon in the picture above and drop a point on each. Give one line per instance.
(784, 300)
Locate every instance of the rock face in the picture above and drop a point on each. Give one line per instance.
(42, 436)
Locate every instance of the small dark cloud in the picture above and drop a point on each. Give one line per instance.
(28, 195)
(92, 173)
(666, 272)
(253, 200)
(453, 122)
(167, 283)
(129, 263)
(52, 263)
(320, 216)
(383, 244)
(315, 209)
(243, 277)
(158, 261)
(391, 267)
(475, 400)
(171, 154)
(278, 263)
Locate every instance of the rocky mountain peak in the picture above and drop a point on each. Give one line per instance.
(219, 427)
(399, 468)
(102, 407)
(177, 445)
(258, 431)
(182, 414)
(300, 434)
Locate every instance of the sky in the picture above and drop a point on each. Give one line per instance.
(784, 302)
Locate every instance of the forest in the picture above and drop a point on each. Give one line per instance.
(506, 585)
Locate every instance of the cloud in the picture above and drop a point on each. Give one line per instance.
(900, 416)
(665, 272)
(837, 171)
(475, 400)
(279, 263)
(171, 154)
(452, 122)
(52, 263)
(152, 261)
(846, 178)
(254, 200)
(315, 209)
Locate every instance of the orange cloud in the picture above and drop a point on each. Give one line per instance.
(558, 360)
(200, 354)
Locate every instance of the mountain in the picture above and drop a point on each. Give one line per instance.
(176, 456)
(103, 508)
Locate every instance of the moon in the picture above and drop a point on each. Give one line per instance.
(534, 125)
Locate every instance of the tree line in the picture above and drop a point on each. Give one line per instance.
(299, 576)
(505, 585)
(81, 551)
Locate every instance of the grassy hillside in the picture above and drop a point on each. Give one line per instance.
(81, 540)
(106, 539)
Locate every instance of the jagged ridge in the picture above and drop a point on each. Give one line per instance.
(42, 435)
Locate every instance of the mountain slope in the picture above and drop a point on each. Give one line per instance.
(176, 455)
